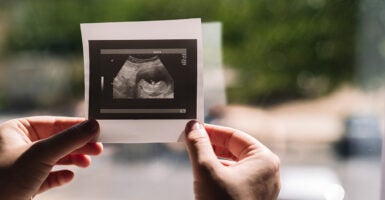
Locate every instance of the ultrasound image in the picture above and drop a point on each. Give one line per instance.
(143, 79)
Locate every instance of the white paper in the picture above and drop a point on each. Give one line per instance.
(143, 80)
(213, 74)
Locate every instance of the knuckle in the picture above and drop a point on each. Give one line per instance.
(275, 163)
(38, 147)
(195, 137)
(37, 152)
(272, 163)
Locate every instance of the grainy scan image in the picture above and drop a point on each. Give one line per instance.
(143, 79)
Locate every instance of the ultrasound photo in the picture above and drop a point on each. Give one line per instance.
(145, 78)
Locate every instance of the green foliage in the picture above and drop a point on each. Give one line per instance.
(281, 48)
(287, 39)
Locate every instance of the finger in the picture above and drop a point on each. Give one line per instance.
(79, 160)
(92, 148)
(201, 153)
(55, 179)
(238, 143)
(222, 152)
(56, 147)
(34, 165)
(41, 127)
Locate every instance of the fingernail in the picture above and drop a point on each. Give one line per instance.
(89, 126)
(193, 125)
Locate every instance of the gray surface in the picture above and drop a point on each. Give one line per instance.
(107, 178)
(148, 171)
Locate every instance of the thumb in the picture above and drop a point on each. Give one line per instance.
(34, 165)
(199, 147)
(55, 147)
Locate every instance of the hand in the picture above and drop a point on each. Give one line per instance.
(249, 170)
(31, 147)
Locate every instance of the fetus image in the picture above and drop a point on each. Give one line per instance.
(143, 79)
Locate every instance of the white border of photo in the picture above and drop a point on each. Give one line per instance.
(138, 130)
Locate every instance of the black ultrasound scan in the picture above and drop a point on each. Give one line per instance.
(143, 79)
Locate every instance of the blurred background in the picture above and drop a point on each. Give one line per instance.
(305, 77)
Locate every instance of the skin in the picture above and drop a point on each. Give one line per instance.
(31, 147)
(230, 164)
